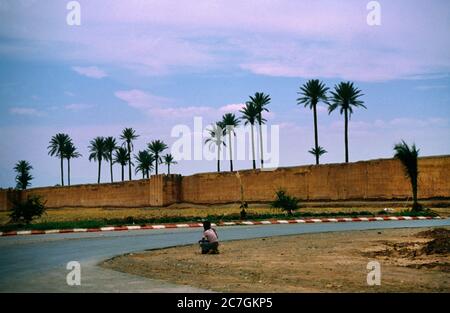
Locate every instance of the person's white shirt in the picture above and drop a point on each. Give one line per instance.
(210, 235)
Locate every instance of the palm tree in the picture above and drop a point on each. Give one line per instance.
(408, 156)
(98, 152)
(128, 135)
(111, 146)
(56, 148)
(216, 138)
(260, 100)
(249, 115)
(23, 168)
(168, 160)
(230, 121)
(318, 152)
(144, 164)
(311, 93)
(345, 97)
(121, 157)
(157, 147)
(70, 152)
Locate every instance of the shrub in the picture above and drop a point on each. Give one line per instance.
(285, 202)
(24, 212)
(422, 212)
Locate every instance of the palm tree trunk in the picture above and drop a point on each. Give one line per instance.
(123, 178)
(168, 169)
(129, 160)
(62, 171)
(147, 171)
(414, 190)
(231, 152)
(156, 163)
(111, 167)
(99, 170)
(261, 145)
(218, 158)
(68, 171)
(253, 148)
(316, 135)
(346, 135)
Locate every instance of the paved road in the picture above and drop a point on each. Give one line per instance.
(38, 263)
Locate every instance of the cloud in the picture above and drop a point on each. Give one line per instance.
(231, 108)
(139, 99)
(25, 111)
(327, 39)
(158, 106)
(90, 71)
(77, 106)
(164, 107)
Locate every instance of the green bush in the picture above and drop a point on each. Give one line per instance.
(285, 202)
(24, 212)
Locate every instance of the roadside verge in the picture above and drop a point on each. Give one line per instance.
(235, 223)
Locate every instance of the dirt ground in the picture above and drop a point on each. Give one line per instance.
(412, 260)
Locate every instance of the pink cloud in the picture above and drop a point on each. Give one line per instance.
(284, 38)
(232, 108)
(90, 71)
(139, 99)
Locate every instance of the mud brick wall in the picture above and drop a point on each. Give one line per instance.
(7, 196)
(380, 180)
(366, 180)
(137, 193)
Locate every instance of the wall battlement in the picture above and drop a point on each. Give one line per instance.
(382, 180)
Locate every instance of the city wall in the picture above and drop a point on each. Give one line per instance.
(374, 180)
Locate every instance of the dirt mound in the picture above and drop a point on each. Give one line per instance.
(428, 249)
(435, 233)
(440, 243)
(441, 266)
(437, 246)
(397, 250)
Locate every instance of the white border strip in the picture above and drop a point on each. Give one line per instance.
(133, 227)
(24, 232)
(111, 228)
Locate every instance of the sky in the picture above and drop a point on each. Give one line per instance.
(153, 65)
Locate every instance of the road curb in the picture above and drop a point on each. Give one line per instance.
(192, 225)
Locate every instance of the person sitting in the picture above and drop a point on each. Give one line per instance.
(209, 243)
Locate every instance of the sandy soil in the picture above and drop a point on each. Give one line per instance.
(324, 262)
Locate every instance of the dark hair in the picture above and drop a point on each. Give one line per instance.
(206, 225)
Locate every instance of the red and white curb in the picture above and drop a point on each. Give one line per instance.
(190, 225)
